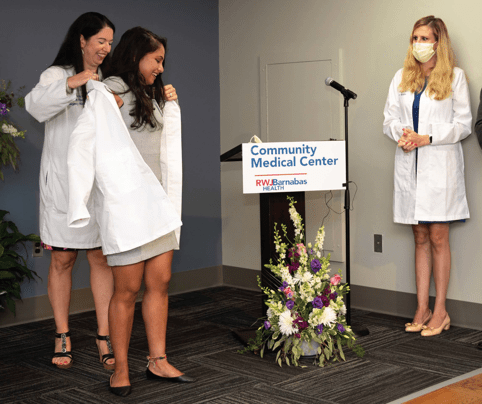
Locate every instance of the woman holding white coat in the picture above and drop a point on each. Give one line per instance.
(58, 100)
(428, 114)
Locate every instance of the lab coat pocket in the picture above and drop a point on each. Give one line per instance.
(59, 188)
(404, 169)
(440, 165)
(117, 173)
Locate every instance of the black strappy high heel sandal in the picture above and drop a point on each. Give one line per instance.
(64, 353)
(104, 358)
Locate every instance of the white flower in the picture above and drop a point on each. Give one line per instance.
(343, 310)
(307, 277)
(286, 323)
(9, 129)
(328, 317)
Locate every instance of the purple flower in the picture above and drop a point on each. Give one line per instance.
(341, 328)
(283, 286)
(319, 329)
(333, 295)
(315, 265)
(300, 323)
(293, 267)
(326, 301)
(298, 335)
(317, 303)
(290, 304)
(267, 325)
(3, 109)
(327, 291)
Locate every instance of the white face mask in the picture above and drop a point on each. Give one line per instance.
(423, 52)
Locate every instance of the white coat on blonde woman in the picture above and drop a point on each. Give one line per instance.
(436, 192)
(131, 205)
(49, 102)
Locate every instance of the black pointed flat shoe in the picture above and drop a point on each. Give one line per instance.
(177, 379)
(122, 391)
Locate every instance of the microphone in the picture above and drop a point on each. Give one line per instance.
(337, 86)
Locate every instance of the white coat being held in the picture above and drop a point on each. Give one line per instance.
(131, 206)
(435, 189)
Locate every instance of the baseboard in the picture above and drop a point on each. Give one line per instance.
(462, 314)
(38, 308)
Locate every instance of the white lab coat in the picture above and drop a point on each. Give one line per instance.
(132, 207)
(436, 192)
(49, 102)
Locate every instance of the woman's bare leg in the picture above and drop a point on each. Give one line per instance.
(423, 270)
(127, 282)
(155, 309)
(102, 285)
(59, 291)
(439, 240)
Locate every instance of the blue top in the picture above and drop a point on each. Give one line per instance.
(415, 114)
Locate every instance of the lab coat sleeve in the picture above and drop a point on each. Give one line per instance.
(478, 122)
(49, 96)
(460, 128)
(81, 168)
(392, 124)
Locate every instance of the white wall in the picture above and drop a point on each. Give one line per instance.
(373, 36)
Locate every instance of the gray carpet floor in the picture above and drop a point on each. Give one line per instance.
(202, 344)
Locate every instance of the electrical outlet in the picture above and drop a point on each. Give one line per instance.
(378, 243)
(38, 251)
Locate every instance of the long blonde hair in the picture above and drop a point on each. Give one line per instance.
(439, 86)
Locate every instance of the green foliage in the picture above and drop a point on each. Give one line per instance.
(13, 266)
(9, 151)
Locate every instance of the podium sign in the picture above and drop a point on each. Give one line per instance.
(293, 166)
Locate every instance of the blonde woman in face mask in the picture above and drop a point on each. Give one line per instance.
(428, 114)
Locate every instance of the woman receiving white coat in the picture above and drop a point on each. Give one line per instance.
(428, 114)
(136, 81)
(58, 100)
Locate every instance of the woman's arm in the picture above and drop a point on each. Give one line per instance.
(50, 95)
(392, 124)
(54, 92)
(461, 127)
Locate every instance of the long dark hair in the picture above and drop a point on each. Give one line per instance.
(133, 46)
(70, 53)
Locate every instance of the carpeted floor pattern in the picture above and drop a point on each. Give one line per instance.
(201, 343)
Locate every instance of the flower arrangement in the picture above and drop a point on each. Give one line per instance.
(308, 308)
(9, 151)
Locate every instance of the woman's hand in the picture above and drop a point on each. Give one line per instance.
(81, 78)
(170, 93)
(410, 140)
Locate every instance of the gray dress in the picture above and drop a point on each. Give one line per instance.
(148, 142)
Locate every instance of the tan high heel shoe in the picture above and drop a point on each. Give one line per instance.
(415, 327)
(430, 331)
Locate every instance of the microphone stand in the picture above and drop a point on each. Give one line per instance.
(358, 330)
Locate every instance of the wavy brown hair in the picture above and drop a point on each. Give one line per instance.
(439, 86)
(133, 46)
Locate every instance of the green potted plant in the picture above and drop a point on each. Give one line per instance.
(13, 266)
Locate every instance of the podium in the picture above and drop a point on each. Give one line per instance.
(273, 208)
